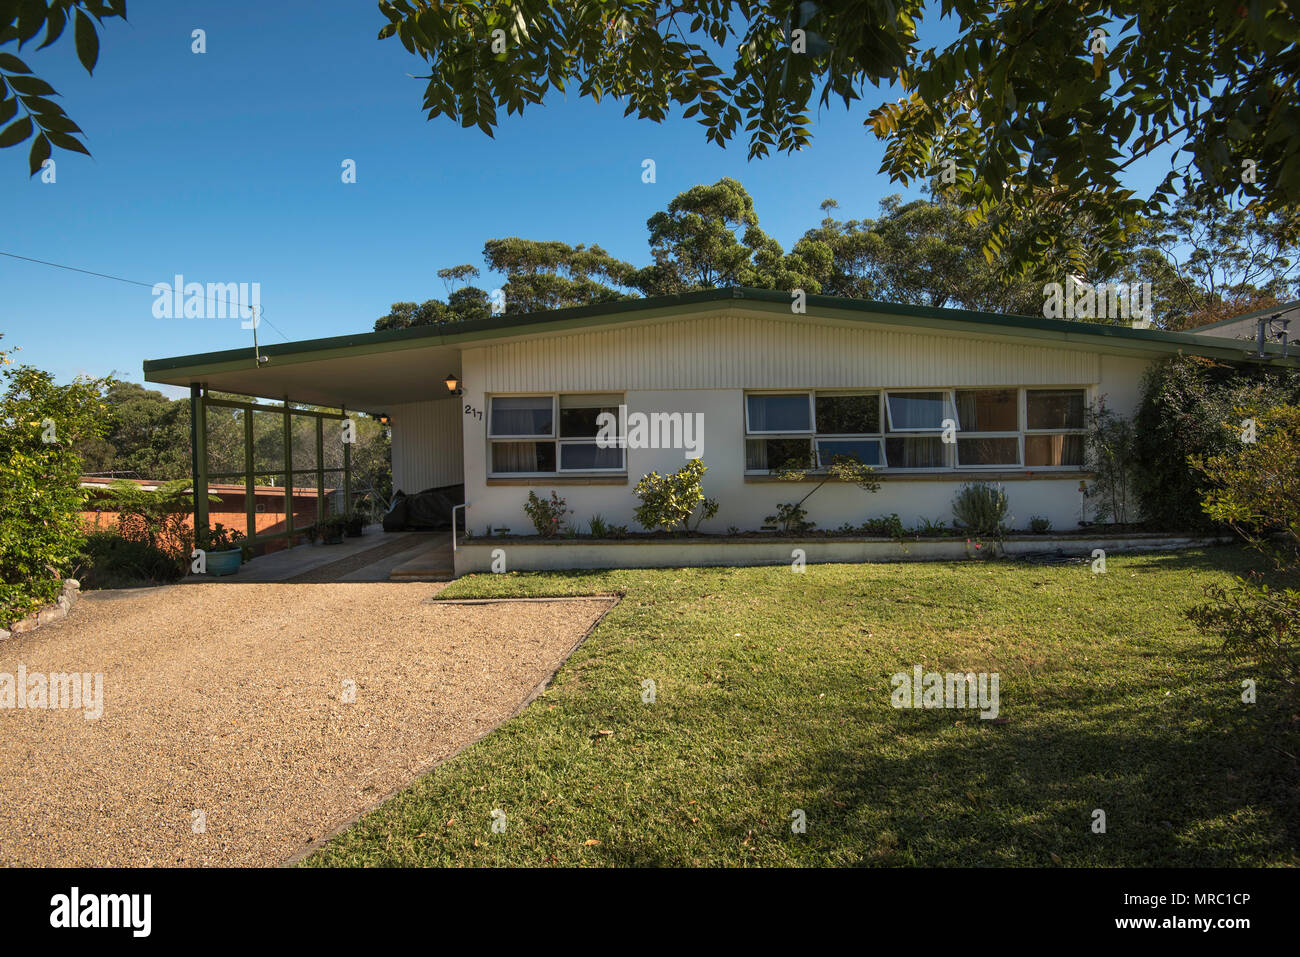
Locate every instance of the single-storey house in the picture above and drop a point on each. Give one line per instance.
(931, 397)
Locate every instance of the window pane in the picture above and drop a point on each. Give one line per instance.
(1045, 450)
(988, 451)
(523, 456)
(988, 410)
(1054, 408)
(923, 452)
(778, 413)
(866, 451)
(917, 410)
(773, 454)
(582, 423)
(521, 415)
(848, 414)
(575, 455)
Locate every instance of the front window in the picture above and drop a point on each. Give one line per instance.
(1054, 427)
(523, 440)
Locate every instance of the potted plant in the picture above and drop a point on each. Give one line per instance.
(355, 524)
(311, 533)
(222, 549)
(332, 530)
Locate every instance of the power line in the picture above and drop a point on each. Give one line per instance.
(135, 282)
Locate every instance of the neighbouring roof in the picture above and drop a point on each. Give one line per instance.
(216, 488)
(368, 370)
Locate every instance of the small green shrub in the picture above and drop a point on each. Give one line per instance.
(931, 529)
(598, 527)
(981, 508)
(890, 526)
(547, 514)
(1038, 524)
(618, 531)
(668, 501)
(107, 560)
(792, 517)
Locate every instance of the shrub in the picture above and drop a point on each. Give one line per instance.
(889, 525)
(547, 514)
(107, 560)
(1038, 524)
(598, 527)
(1110, 451)
(1254, 488)
(1185, 403)
(791, 518)
(981, 507)
(160, 519)
(41, 535)
(670, 500)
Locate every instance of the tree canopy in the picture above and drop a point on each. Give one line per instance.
(1036, 106)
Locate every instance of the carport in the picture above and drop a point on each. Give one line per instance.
(290, 440)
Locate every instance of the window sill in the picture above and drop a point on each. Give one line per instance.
(950, 475)
(558, 479)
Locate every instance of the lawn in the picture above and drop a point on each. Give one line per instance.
(772, 695)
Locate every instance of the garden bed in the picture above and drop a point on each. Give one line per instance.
(533, 553)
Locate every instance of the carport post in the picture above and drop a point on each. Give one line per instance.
(320, 469)
(288, 471)
(347, 466)
(199, 456)
(250, 494)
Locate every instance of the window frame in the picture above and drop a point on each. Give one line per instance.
(952, 453)
(554, 439)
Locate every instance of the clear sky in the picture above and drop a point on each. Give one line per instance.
(225, 167)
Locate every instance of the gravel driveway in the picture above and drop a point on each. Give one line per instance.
(225, 737)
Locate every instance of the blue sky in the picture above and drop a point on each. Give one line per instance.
(225, 167)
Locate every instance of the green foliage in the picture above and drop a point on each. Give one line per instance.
(1040, 525)
(547, 515)
(599, 529)
(668, 501)
(160, 519)
(1187, 411)
(218, 538)
(41, 425)
(107, 560)
(42, 118)
(1110, 450)
(791, 518)
(886, 526)
(1039, 107)
(1254, 488)
(981, 507)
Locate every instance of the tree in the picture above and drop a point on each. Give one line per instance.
(555, 275)
(41, 426)
(1238, 262)
(1039, 105)
(42, 118)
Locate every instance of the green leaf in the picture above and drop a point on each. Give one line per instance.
(11, 64)
(66, 142)
(32, 85)
(39, 154)
(16, 132)
(87, 42)
(7, 110)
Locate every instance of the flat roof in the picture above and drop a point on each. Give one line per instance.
(370, 370)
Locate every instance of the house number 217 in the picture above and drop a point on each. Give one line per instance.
(473, 412)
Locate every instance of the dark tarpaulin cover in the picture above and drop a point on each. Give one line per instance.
(428, 509)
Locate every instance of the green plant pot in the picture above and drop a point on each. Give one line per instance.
(224, 562)
(334, 537)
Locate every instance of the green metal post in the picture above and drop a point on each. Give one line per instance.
(347, 464)
(199, 456)
(250, 496)
(288, 471)
(320, 469)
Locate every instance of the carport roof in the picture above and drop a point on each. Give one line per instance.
(372, 370)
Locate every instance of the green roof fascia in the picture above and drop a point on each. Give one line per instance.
(665, 306)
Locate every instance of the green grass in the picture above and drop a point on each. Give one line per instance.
(773, 694)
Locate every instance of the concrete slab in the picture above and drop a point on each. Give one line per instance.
(291, 563)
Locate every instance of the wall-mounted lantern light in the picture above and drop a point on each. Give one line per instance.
(452, 383)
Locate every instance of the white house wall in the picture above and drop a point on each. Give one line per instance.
(428, 451)
(705, 365)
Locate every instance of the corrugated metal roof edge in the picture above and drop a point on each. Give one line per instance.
(624, 311)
